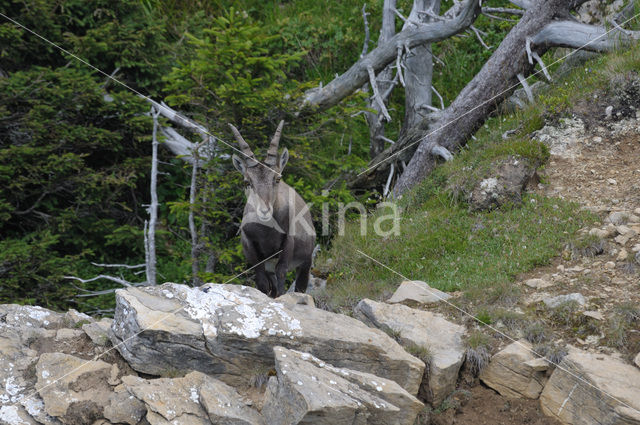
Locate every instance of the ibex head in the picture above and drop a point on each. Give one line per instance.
(261, 182)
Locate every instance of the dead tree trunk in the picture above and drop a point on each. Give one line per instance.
(150, 240)
(540, 28)
(418, 67)
(376, 120)
(322, 98)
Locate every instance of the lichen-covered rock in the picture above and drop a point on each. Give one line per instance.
(416, 292)
(515, 372)
(309, 391)
(230, 330)
(123, 408)
(607, 393)
(431, 333)
(196, 399)
(98, 332)
(74, 390)
(506, 183)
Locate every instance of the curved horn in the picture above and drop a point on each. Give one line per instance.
(244, 146)
(272, 153)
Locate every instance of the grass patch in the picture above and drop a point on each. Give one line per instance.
(452, 249)
(622, 328)
(587, 246)
(421, 353)
(478, 353)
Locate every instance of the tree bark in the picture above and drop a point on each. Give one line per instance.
(322, 98)
(418, 73)
(494, 83)
(153, 207)
(375, 120)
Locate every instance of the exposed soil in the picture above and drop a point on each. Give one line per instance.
(486, 407)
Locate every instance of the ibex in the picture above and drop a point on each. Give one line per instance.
(276, 218)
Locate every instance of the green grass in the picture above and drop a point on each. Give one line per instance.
(445, 245)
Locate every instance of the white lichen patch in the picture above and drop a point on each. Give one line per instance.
(194, 395)
(10, 416)
(489, 186)
(33, 406)
(11, 391)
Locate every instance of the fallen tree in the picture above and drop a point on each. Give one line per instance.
(544, 24)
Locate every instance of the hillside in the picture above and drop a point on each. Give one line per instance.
(503, 289)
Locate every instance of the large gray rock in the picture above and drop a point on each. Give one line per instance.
(429, 332)
(515, 372)
(591, 388)
(309, 391)
(231, 330)
(416, 292)
(196, 399)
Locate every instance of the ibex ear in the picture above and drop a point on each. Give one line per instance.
(284, 157)
(238, 163)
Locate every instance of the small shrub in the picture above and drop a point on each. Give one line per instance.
(552, 352)
(536, 333)
(420, 352)
(587, 246)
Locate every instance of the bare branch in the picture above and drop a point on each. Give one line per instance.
(525, 4)
(192, 223)
(439, 97)
(526, 87)
(365, 47)
(32, 207)
(386, 139)
(376, 93)
(542, 66)
(505, 10)
(582, 36)
(399, 66)
(153, 207)
(385, 53)
(442, 152)
(121, 281)
(125, 266)
(478, 34)
(385, 192)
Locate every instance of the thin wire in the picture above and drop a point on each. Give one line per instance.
(155, 104)
(494, 97)
(167, 315)
(503, 334)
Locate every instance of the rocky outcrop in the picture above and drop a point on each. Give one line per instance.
(429, 334)
(229, 332)
(515, 372)
(416, 292)
(591, 388)
(26, 332)
(196, 399)
(307, 390)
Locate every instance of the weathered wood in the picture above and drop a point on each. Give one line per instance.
(325, 97)
(384, 84)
